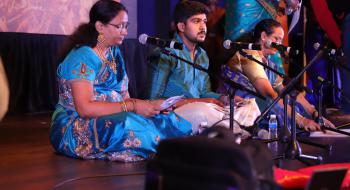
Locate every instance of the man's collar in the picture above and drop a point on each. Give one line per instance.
(178, 38)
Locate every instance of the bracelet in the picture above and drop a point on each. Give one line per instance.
(313, 115)
(121, 106)
(124, 107)
(300, 117)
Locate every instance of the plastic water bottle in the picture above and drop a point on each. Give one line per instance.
(273, 133)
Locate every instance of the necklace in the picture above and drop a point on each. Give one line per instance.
(112, 64)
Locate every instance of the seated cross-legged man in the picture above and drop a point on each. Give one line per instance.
(172, 77)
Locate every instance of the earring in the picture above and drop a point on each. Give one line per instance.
(101, 39)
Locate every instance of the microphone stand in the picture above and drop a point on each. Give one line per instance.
(169, 53)
(293, 150)
(285, 78)
(232, 91)
(334, 60)
(320, 111)
(285, 100)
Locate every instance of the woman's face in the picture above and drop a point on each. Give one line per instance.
(115, 31)
(276, 36)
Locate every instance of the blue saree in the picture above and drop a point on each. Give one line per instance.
(124, 136)
(243, 15)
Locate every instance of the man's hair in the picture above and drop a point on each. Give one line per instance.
(267, 26)
(186, 9)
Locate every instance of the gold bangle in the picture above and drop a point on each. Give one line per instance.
(313, 115)
(121, 106)
(124, 107)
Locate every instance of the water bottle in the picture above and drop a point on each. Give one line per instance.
(273, 133)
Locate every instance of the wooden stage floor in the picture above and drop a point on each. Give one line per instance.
(27, 160)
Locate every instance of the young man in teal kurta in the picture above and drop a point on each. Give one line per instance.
(170, 76)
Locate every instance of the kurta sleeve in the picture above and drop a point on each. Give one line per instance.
(160, 68)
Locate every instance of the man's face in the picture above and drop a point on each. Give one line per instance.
(195, 28)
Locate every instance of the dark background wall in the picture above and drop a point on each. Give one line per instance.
(30, 59)
(154, 16)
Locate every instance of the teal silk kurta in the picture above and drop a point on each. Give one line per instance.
(171, 77)
(123, 136)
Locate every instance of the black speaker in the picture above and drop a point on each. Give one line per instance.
(210, 161)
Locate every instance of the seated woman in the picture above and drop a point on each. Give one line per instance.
(266, 82)
(95, 118)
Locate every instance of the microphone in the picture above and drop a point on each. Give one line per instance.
(263, 134)
(258, 133)
(281, 48)
(323, 81)
(330, 51)
(228, 44)
(145, 39)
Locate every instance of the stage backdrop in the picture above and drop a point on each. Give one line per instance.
(53, 16)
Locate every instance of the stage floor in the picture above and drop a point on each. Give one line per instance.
(28, 161)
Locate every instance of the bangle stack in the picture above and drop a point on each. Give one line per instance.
(123, 105)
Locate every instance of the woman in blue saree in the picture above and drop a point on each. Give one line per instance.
(268, 83)
(95, 118)
(243, 15)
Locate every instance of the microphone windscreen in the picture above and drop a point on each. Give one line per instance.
(263, 134)
(143, 39)
(227, 44)
(317, 45)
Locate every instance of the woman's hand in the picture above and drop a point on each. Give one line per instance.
(157, 103)
(308, 124)
(225, 99)
(327, 123)
(147, 108)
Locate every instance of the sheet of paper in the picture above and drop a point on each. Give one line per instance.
(171, 101)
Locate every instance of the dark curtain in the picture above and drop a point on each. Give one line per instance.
(30, 64)
(30, 61)
(136, 60)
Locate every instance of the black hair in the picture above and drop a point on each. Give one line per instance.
(186, 9)
(267, 26)
(86, 34)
